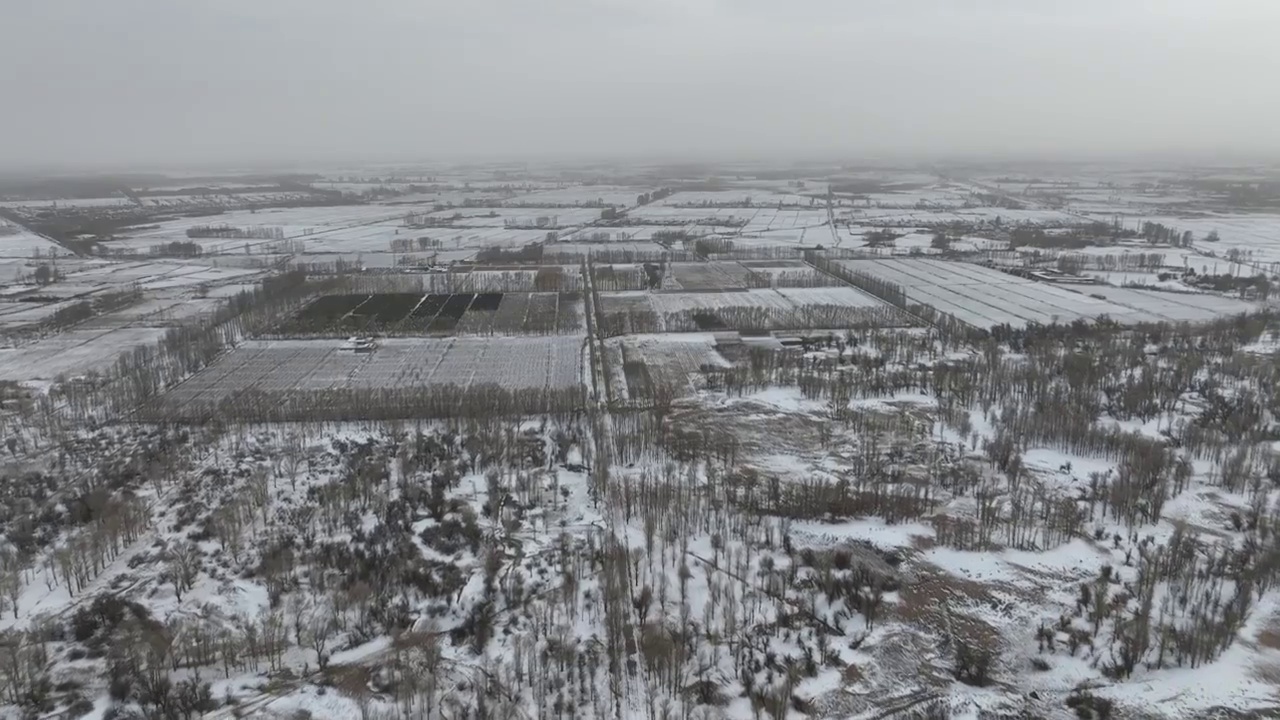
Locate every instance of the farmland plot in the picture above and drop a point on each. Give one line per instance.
(928, 217)
(146, 275)
(780, 299)
(619, 196)
(1255, 238)
(478, 320)
(477, 279)
(619, 277)
(735, 217)
(627, 233)
(103, 202)
(543, 309)
(406, 314)
(16, 242)
(937, 197)
(484, 237)
(752, 221)
(14, 271)
(650, 363)
(378, 236)
(604, 252)
(712, 276)
(344, 229)
(157, 311)
(788, 273)
(317, 369)
(985, 298)
(752, 197)
(330, 313)
(299, 222)
(749, 310)
(15, 315)
(838, 296)
(1176, 307)
(224, 199)
(741, 198)
(773, 220)
(543, 219)
(72, 353)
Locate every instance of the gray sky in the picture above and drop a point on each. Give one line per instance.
(144, 82)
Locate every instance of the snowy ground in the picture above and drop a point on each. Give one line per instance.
(985, 297)
(74, 352)
(316, 365)
(751, 536)
(18, 242)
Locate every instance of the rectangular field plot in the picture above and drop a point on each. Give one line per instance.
(408, 314)
(748, 310)
(75, 352)
(712, 276)
(645, 366)
(621, 251)
(985, 298)
(476, 279)
(1176, 307)
(416, 375)
(788, 274)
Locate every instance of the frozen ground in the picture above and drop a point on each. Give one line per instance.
(147, 275)
(16, 242)
(1256, 236)
(985, 297)
(778, 299)
(72, 353)
(316, 365)
(742, 528)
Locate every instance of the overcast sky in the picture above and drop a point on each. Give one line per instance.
(147, 82)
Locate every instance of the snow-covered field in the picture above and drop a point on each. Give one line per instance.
(163, 310)
(1121, 278)
(17, 242)
(617, 196)
(222, 199)
(784, 502)
(148, 275)
(752, 220)
(672, 358)
(52, 203)
(631, 232)
(781, 299)
(745, 198)
(515, 363)
(503, 217)
(168, 298)
(74, 352)
(362, 228)
(582, 250)
(985, 297)
(477, 237)
(18, 314)
(982, 216)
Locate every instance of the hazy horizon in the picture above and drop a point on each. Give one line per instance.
(145, 83)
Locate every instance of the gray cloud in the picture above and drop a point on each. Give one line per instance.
(144, 82)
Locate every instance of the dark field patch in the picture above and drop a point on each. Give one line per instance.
(410, 314)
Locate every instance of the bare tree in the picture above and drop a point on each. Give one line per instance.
(184, 566)
(319, 631)
(293, 457)
(11, 569)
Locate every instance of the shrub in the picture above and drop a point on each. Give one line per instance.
(1090, 707)
(454, 534)
(973, 664)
